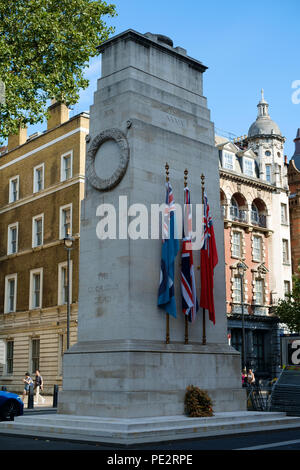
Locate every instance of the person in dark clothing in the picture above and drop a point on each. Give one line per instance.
(27, 382)
(39, 385)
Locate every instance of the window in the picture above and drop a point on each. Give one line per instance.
(280, 175)
(284, 214)
(12, 239)
(35, 354)
(38, 178)
(65, 221)
(66, 166)
(10, 297)
(13, 189)
(237, 289)
(268, 153)
(259, 291)
(234, 209)
(254, 214)
(236, 244)
(257, 248)
(258, 217)
(228, 161)
(248, 167)
(63, 283)
(36, 288)
(287, 288)
(236, 339)
(258, 348)
(37, 230)
(61, 349)
(285, 251)
(9, 357)
(268, 173)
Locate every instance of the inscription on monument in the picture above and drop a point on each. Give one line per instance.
(175, 120)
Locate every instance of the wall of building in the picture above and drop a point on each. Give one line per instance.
(240, 187)
(294, 204)
(48, 323)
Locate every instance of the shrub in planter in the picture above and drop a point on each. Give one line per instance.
(197, 402)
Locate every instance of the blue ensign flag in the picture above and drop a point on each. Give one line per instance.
(170, 247)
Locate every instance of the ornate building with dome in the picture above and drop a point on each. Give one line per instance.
(254, 204)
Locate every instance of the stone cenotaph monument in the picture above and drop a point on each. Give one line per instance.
(148, 109)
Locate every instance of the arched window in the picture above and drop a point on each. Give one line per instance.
(223, 203)
(234, 208)
(254, 214)
(259, 213)
(238, 207)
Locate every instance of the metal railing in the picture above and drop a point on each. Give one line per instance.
(238, 215)
(258, 398)
(259, 220)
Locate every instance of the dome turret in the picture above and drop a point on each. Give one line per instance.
(263, 124)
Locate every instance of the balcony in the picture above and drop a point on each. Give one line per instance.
(236, 308)
(260, 310)
(238, 215)
(259, 220)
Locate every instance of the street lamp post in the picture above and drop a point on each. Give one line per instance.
(241, 271)
(68, 242)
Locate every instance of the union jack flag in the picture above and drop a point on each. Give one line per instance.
(208, 262)
(188, 284)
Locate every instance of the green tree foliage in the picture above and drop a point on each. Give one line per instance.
(288, 309)
(44, 47)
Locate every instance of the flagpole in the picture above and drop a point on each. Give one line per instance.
(167, 315)
(203, 324)
(186, 332)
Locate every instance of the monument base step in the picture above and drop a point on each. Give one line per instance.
(143, 430)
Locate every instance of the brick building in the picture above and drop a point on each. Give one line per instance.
(294, 203)
(254, 201)
(42, 181)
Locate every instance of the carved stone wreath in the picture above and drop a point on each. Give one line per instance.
(104, 184)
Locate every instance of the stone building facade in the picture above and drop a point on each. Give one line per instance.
(42, 181)
(254, 202)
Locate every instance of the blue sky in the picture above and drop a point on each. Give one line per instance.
(245, 45)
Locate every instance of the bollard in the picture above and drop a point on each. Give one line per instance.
(55, 396)
(3, 388)
(30, 397)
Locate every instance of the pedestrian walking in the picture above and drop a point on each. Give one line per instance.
(27, 382)
(250, 377)
(39, 386)
(244, 378)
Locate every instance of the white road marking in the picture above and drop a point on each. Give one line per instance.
(274, 444)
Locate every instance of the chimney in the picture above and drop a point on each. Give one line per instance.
(59, 113)
(14, 140)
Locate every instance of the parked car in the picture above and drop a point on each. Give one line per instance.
(11, 405)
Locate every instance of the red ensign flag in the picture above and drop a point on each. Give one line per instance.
(208, 262)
